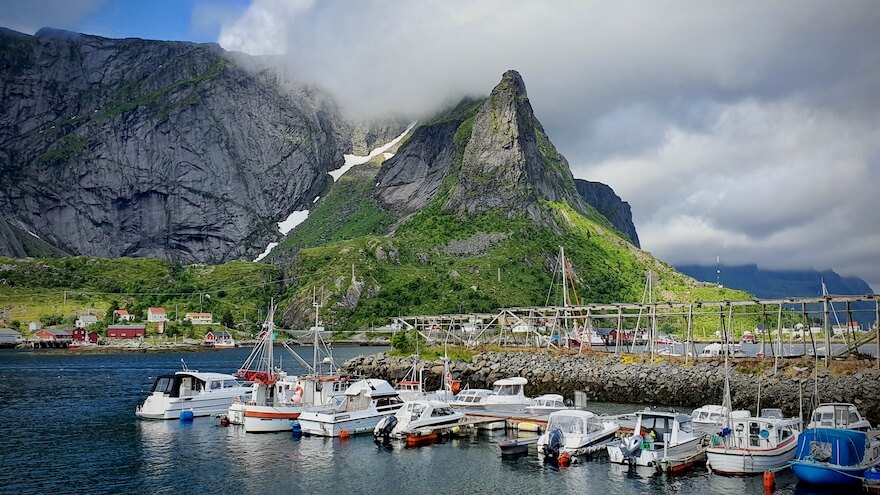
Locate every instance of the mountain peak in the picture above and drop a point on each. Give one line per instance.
(508, 162)
(511, 79)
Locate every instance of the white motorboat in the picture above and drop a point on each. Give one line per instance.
(838, 416)
(470, 398)
(507, 395)
(754, 445)
(709, 418)
(359, 410)
(576, 433)
(419, 415)
(202, 393)
(546, 404)
(717, 350)
(659, 437)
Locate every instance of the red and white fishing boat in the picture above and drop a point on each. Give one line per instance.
(753, 445)
(277, 398)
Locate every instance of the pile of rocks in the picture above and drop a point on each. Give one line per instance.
(616, 378)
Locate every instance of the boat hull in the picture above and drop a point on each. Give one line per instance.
(825, 474)
(170, 408)
(748, 462)
(651, 458)
(331, 425)
(265, 419)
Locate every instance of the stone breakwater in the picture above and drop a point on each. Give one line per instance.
(616, 378)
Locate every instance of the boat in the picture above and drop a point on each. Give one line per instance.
(277, 398)
(410, 388)
(753, 445)
(419, 417)
(709, 418)
(202, 393)
(358, 410)
(658, 436)
(507, 395)
(718, 350)
(838, 415)
(470, 398)
(546, 404)
(836, 457)
(225, 344)
(576, 433)
(749, 338)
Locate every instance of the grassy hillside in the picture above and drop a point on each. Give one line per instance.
(57, 289)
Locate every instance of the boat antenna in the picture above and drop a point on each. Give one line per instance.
(185, 368)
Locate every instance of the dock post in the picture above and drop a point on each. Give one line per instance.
(878, 333)
(690, 339)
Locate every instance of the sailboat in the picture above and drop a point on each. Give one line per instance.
(748, 444)
(276, 397)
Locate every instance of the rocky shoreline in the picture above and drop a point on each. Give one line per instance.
(670, 382)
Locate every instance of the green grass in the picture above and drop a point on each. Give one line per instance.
(347, 211)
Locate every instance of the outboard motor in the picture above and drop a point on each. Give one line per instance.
(631, 447)
(385, 427)
(554, 444)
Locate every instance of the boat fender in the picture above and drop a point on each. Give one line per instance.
(186, 416)
(564, 459)
(344, 435)
(764, 434)
(769, 481)
(296, 428)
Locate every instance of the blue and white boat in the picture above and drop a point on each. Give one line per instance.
(829, 456)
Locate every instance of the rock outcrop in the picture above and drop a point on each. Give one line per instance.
(601, 197)
(508, 162)
(172, 150)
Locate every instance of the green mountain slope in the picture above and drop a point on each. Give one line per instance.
(495, 202)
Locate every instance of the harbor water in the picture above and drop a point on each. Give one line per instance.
(67, 425)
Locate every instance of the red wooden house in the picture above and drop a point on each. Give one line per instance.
(83, 335)
(126, 331)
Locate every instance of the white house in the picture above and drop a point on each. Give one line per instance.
(156, 315)
(35, 326)
(123, 315)
(199, 318)
(86, 320)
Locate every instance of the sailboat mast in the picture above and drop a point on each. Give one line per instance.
(315, 328)
(270, 338)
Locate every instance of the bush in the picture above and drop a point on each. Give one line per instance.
(402, 343)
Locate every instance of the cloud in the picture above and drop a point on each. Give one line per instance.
(746, 129)
(31, 15)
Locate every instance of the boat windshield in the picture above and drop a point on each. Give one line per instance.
(442, 411)
(507, 390)
(573, 424)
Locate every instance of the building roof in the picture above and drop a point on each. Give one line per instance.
(121, 312)
(126, 327)
(157, 310)
(220, 334)
(58, 332)
(9, 331)
(208, 315)
(91, 318)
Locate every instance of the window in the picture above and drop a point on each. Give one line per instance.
(216, 385)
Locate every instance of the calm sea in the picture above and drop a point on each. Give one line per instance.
(67, 425)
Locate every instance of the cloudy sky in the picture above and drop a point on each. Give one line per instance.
(749, 130)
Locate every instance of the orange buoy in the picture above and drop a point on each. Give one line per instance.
(564, 459)
(769, 481)
(344, 434)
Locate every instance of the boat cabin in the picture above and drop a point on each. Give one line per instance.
(710, 414)
(841, 416)
(750, 433)
(575, 422)
(548, 401)
(658, 428)
(364, 393)
(718, 350)
(471, 396)
(188, 384)
(509, 387)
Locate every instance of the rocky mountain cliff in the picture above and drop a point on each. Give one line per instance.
(601, 197)
(172, 150)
